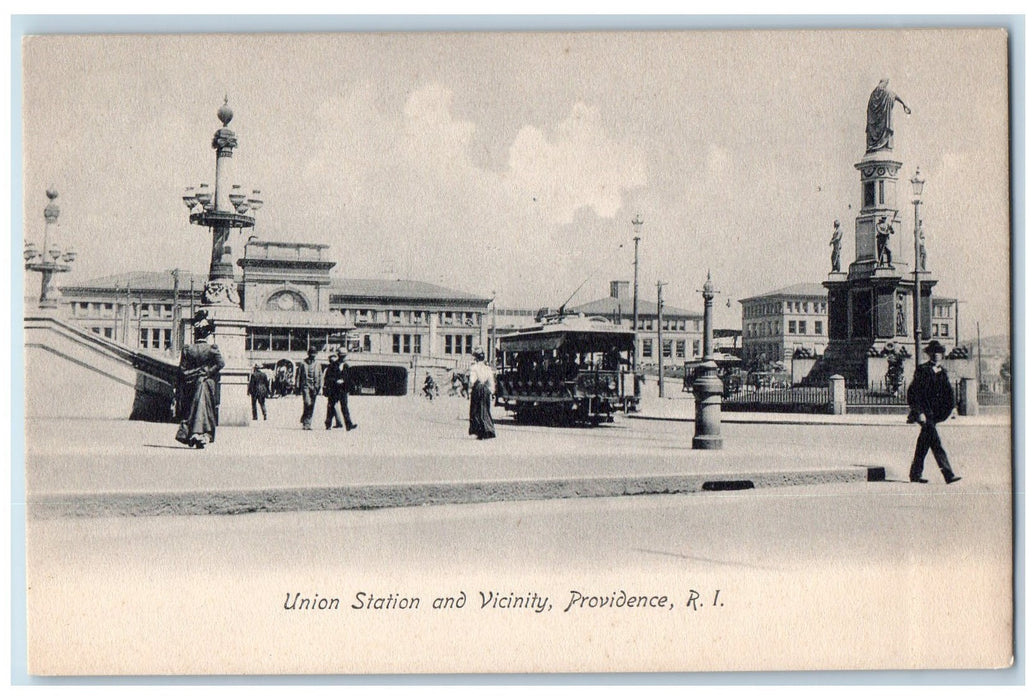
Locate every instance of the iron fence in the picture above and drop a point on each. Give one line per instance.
(798, 399)
(877, 394)
(993, 398)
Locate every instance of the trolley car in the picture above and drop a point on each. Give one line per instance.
(567, 370)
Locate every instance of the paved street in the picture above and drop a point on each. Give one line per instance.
(846, 575)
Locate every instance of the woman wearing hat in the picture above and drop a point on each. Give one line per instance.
(931, 401)
(200, 363)
(482, 386)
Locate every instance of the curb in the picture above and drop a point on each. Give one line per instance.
(734, 420)
(236, 502)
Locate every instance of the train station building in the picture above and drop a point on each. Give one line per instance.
(394, 328)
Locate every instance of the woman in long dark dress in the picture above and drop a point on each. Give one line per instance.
(481, 387)
(200, 363)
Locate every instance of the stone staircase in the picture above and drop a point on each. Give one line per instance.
(73, 373)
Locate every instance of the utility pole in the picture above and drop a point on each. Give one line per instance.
(637, 223)
(177, 343)
(493, 341)
(661, 359)
(978, 332)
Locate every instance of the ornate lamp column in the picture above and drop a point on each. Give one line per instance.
(49, 259)
(917, 183)
(221, 209)
(708, 389)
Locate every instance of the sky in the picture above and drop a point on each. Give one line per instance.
(512, 164)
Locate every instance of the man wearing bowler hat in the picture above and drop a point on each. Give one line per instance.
(311, 378)
(931, 401)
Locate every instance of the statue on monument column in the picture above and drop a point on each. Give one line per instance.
(836, 248)
(879, 117)
(883, 229)
(922, 251)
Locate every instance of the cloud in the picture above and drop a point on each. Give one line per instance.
(581, 167)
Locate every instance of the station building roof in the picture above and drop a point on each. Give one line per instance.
(349, 288)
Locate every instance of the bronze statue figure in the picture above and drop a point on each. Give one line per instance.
(836, 248)
(879, 117)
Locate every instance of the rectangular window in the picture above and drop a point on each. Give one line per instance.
(667, 348)
(697, 348)
(279, 340)
(946, 330)
(791, 326)
(107, 332)
(417, 345)
(260, 339)
(802, 328)
(468, 344)
(366, 343)
(448, 347)
(156, 338)
(447, 318)
(406, 344)
(143, 338)
(397, 316)
(819, 327)
(395, 343)
(299, 340)
(167, 339)
(681, 348)
(647, 349)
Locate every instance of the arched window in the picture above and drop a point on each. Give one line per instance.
(287, 300)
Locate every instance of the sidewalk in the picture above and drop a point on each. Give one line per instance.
(406, 452)
(681, 408)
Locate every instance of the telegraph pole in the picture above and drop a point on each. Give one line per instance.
(637, 223)
(177, 343)
(661, 359)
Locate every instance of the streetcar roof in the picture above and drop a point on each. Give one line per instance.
(581, 334)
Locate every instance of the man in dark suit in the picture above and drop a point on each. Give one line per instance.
(310, 380)
(258, 389)
(337, 385)
(931, 401)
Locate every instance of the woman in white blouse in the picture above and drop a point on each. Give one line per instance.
(481, 387)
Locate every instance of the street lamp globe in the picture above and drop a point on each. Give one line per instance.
(190, 198)
(917, 183)
(204, 195)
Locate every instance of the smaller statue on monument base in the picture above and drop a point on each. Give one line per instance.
(836, 248)
(883, 229)
(900, 316)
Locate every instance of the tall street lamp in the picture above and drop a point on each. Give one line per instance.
(917, 183)
(50, 259)
(221, 210)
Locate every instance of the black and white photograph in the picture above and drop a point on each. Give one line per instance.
(428, 352)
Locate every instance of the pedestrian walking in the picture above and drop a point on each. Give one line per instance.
(200, 363)
(930, 396)
(431, 389)
(258, 389)
(310, 382)
(337, 385)
(482, 386)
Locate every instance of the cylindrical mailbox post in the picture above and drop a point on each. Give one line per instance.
(708, 388)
